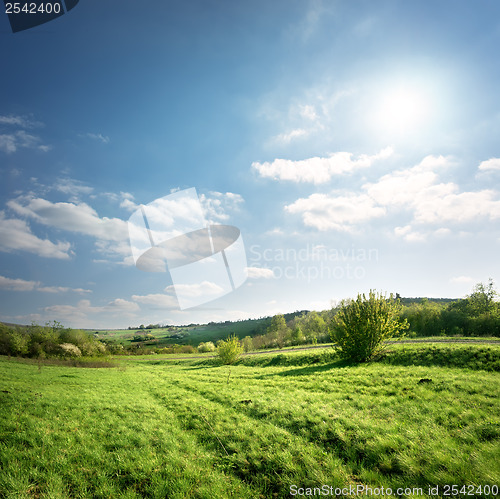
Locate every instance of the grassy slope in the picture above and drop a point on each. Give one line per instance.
(192, 335)
(157, 427)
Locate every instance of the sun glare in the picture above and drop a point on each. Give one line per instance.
(402, 110)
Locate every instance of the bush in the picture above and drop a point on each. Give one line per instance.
(70, 350)
(362, 325)
(229, 351)
(206, 347)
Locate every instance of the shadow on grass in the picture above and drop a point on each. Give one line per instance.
(312, 369)
(480, 358)
(81, 362)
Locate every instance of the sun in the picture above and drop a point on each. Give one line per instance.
(402, 110)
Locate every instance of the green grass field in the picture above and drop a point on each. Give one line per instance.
(189, 335)
(159, 427)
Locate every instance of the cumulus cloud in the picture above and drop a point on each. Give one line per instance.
(17, 284)
(84, 310)
(20, 121)
(317, 170)
(11, 142)
(402, 187)
(430, 205)
(15, 235)
(73, 217)
(127, 202)
(72, 186)
(16, 136)
(205, 288)
(22, 285)
(492, 164)
(157, 300)
(218, 206)
(330, 212)
(259, 273)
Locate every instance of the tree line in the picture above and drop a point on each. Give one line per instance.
(478, 314)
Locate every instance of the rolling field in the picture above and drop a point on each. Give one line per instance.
(189, 335)
(154, 427)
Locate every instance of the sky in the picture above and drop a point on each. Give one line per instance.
(354, 144)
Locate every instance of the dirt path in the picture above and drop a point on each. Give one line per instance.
(326, 345)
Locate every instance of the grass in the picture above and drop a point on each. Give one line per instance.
(190, 335)
(156, 427)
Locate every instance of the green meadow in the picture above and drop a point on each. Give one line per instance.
(157, 427)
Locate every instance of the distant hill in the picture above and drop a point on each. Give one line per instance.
(193, 334)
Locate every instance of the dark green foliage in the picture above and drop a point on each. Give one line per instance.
(45, 341)
(362, 325)
(478, 314)
(476, 358)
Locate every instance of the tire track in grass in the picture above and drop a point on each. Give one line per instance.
(355, 450)
(267, 457)
(337, 442)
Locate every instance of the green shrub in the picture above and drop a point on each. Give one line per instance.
(229, 351)
(362, 325)
(206, 347)
(70, 350)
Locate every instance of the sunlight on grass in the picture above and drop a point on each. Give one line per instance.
(187, 429)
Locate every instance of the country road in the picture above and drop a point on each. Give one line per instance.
(326, 345)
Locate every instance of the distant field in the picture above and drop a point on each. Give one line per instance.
(157, 427)
(189, 335)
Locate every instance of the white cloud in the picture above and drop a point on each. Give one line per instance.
(308, 112)
(205, 288)
(218, 206)
(329, 212)
(22, 285)
(80, 218)
(286, 138)
(20, 121)
(157, 300)
(317, 170)
(62, 289)
(415, 193)
(97, 136)
(85, 312)
(17, 284)
(259, 273)
(410, 235)
(462, 207)
(72, 186)
(16, 235)
(463, 280)
(403, 187)
(128, 202)
(492, 164)
(11, 142)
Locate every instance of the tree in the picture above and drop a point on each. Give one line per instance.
(481, 300)
(247, 343)
(206, 347)
(229, 350)
(278, 331)
(362, 325)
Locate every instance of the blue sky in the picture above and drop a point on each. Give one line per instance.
(354, 144)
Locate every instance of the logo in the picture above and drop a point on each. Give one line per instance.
(205, 261)
(28, 14)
